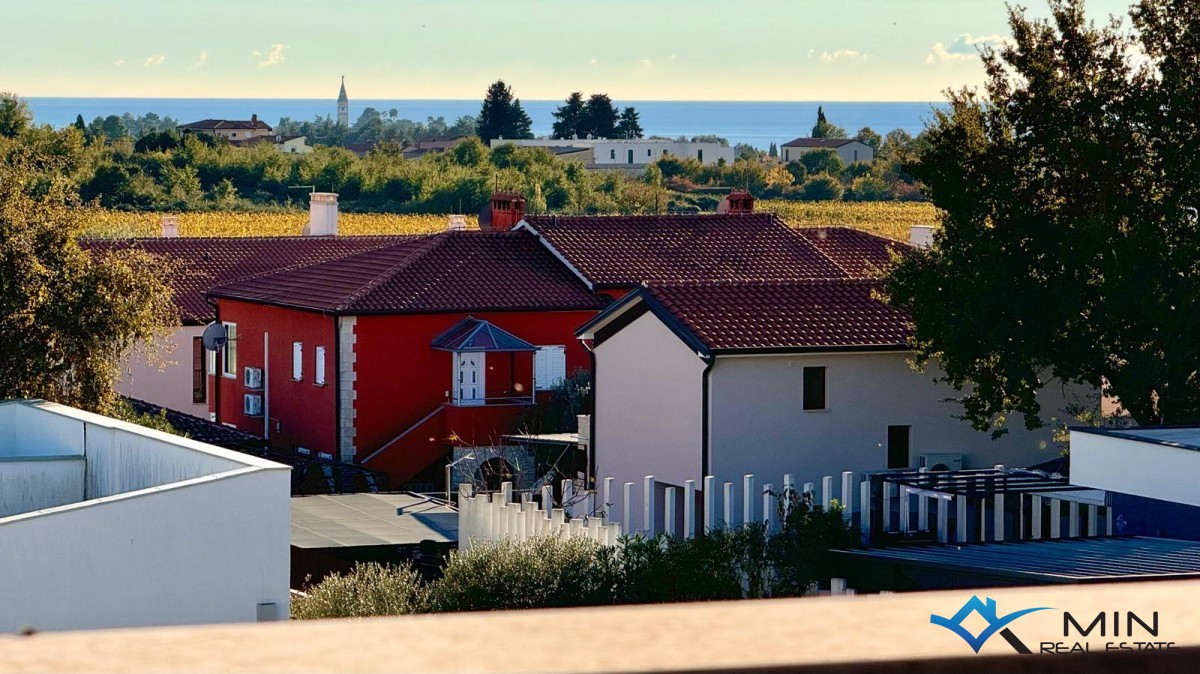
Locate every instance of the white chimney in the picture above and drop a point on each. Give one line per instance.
(458, 223)
(921, 236)
(170, 227)
(322, 214)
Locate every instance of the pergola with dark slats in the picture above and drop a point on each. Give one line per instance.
(981, 482)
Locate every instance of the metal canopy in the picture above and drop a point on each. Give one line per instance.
(473, 334)
(982, 482)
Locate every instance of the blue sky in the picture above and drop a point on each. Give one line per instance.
(635, 50)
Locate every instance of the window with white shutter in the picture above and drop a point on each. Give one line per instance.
(297, 361)
(319, 369)
(550, 366)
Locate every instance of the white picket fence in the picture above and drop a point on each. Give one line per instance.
(495, 516)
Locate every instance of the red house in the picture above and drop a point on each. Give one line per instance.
(390, 357)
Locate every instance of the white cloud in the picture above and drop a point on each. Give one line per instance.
(843, 55)
(119, 62)
(274, 56)
(965, 47)
(201, 60)
(645, 63)
(154, 60)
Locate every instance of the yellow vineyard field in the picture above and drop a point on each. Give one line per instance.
(114, 224)
(886, 218)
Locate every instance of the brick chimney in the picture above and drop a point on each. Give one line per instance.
(504, 211)
(254, 119)
(738, 201)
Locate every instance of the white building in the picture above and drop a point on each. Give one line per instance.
(635, 153)
(1154, 463)
(108, 524)
(771, 378)
(848, 149)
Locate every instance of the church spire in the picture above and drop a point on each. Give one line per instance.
(343, 106)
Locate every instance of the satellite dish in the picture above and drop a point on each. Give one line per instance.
(214, 337)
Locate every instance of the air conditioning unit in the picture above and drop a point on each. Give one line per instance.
(252, 405)
(936, 462)
(253, 377)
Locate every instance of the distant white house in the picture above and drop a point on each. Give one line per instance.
(287, 144)
(636, 153)
(848, 149)
(108, 524)
(771, 378)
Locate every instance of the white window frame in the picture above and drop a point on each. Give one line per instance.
(550, 380)
(319, 366)
(229, 352)
(211, 358)
(297, 361)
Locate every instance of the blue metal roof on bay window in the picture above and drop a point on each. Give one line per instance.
(473, 334)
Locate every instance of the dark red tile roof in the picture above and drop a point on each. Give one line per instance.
(623, 251)
(799, 315)
(213, 124)
(820, 142)
(211, 261)
(450, 271)
(859, 254)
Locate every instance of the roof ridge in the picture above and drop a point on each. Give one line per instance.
(435, 241)
(765, 282)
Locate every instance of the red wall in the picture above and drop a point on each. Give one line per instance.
(401, 378)
(302, 413)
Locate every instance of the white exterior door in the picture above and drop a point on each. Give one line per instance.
(469, 379)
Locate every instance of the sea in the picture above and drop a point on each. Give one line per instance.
(757, 123)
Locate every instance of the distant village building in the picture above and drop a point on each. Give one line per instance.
(633, 154)
(287, 144)
(848, 149)
(229, 129)
(343, 106)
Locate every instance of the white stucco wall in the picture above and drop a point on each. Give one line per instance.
(107, 524)
(204, 551)
(615, 153)
(1130, 466)
(850, 152)
(168, 384)
(758, 426)
(648, 406)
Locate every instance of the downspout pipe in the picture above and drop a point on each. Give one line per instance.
(705, 435)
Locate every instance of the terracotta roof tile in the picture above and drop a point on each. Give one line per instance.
(858, 253)
(212, 261)
(623, 251)
(450, 271)
(820, 142)
(784, 315)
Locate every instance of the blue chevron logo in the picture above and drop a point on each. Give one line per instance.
(996, 623)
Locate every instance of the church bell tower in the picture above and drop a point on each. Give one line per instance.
(343, 117)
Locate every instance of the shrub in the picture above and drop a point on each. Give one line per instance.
(822, 187)
(368, 590)
(822, 160)
(868, 188)
(725, 564)
(799, 552)
(542, 572)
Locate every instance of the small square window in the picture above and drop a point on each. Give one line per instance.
(814, 388)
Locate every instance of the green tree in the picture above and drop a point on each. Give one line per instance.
(569, 118)
(15, 115)
(502, 116)
(69, 317)
(822, 187)
(630, 124)
(1070, 248)
(773, 151)
(822, 160)
(600, 116)
(823, 129)
(868, 137)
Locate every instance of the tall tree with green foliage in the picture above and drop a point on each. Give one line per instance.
(823, 129)
(502, 116)
(15, 115)
(600, 116)
(630, 124)
(69, 318)
(569, 118)
(1070, 248)
(868, 137)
